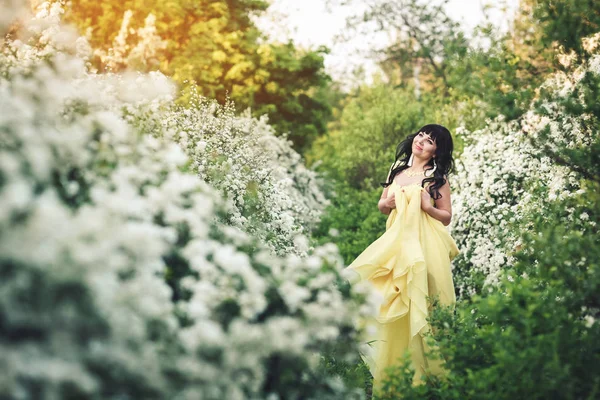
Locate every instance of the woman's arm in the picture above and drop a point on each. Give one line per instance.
(443, 206)
(386, 205)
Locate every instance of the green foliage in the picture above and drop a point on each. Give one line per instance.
(425, 37)
(293, 97)
(583, 103)
(535, 337)
(354, 375)
(400, 378)
(567, 22)
(361, 148)
(352, 221)
(497, 71)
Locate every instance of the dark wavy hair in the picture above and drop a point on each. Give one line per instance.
(443, 158)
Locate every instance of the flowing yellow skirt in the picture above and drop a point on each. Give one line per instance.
(405, 265)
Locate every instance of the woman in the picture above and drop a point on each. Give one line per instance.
(411, 260)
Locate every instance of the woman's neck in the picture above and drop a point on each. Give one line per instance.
(418, 164)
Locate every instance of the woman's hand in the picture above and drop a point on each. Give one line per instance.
(390, 202)
(386, 205)
(443, 207)
(426, 200)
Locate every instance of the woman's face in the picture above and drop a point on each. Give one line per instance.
(423, 146)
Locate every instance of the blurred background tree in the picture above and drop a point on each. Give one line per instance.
(565, 22)
(216, 47)
(430, 52)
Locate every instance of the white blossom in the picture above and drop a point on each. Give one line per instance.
(505, 173)
(115, 259)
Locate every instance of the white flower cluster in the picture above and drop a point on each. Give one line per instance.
(273, 196)
(118, 280)
(505, 174)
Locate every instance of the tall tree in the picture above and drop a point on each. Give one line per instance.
(215, 46)
(566, 22)
(499, 71)
(425, 40)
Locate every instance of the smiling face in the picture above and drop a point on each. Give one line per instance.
(423, 146)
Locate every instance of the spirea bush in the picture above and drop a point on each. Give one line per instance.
(498, 180)
(271, 193)
(119, 278)
(509, 170)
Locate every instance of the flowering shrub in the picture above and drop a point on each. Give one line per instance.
(119, 279)
(273, 195)
(510, 170)
(499, 181)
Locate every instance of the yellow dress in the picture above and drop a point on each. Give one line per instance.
(407, 263)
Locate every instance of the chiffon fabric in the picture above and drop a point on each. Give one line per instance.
(405, 265)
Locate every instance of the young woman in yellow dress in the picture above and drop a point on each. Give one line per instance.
(409, 264)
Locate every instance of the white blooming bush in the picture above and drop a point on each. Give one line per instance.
(510, 170)
(272, 194)
(499, 180)
(119, 278)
